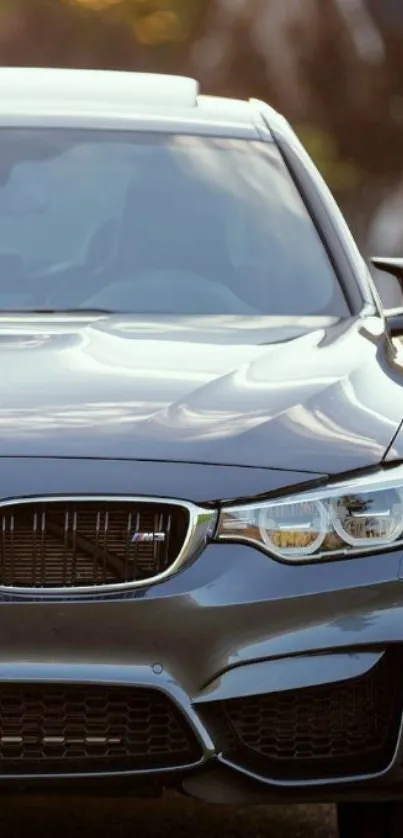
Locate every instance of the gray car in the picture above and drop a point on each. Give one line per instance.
(201, 447)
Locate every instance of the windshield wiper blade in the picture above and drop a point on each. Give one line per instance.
(57, 311)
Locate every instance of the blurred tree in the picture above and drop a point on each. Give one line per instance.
(334, 67)
(389, 12)
(344, 175)
(120, 34)
(357, 112)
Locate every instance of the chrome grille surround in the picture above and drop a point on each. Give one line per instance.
(201, 524)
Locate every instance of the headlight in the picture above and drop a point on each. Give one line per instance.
(350, 518)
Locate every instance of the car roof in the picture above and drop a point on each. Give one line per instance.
(118, 99)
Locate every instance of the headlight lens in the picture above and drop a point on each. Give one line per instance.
(347, 518)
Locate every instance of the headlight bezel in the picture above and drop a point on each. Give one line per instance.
(383, 481)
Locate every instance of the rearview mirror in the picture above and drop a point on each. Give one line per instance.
(389, 284)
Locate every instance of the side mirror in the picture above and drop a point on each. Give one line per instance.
(390, 290)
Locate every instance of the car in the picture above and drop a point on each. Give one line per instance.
(201, 447)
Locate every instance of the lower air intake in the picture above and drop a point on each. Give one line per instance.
(89, 729)
(330, 731)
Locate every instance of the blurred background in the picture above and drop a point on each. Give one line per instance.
(333, 67)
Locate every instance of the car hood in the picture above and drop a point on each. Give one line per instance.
(316, 395)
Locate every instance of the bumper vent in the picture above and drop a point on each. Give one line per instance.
(330, 731)
(89, 543)
(90, 729)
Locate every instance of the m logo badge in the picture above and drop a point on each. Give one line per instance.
(150, 537)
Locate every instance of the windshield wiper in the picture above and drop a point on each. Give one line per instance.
(57, 311)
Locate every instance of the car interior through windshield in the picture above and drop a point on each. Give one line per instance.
(156, 224)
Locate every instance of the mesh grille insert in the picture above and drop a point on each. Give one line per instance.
(67, 729)
(332, 730)
(61, 544)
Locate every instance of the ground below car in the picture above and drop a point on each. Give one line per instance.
(178, 818)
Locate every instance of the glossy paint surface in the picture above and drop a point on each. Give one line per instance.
(195, 482)
(229, 610)
(305, 396)
(204, 410)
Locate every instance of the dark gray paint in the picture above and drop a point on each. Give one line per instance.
(78, 415)
(327, 401)
(278, 676)
(196, 482)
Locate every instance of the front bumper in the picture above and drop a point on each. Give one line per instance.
(233, 625)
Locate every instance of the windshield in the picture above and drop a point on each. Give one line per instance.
(157, 224)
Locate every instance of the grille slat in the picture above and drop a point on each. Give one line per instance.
(340, 729)
(68, 729)
(65, 546)
(71, 544)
